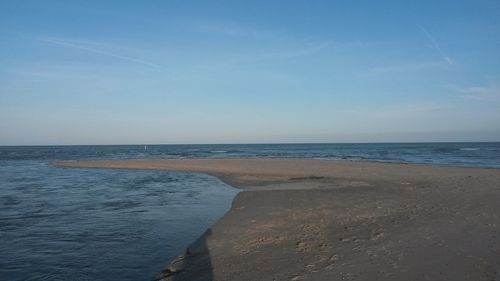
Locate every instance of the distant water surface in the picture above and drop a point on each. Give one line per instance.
(451, 154)
(93, 224)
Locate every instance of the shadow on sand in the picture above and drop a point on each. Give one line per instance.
(194, 265)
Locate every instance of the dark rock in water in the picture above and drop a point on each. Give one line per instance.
(175, 267)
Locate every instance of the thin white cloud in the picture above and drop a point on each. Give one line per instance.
(406, 67)
(311, 49)
(436, 46)
(288, 53)
(396, 111)
(265, 55)
(480, 93)
(230, 29)
(93, 48)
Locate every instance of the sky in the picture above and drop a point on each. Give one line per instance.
(161, 72)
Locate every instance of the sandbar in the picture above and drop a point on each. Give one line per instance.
(304, 219)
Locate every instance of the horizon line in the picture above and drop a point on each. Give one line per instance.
(256, 143)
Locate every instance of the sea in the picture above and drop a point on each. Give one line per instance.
(98, 224)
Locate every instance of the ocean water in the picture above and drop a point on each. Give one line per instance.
(93, 224)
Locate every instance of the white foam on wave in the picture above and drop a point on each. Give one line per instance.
(218, 151)
(470, 148)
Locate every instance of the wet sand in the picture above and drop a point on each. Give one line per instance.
(300, 219)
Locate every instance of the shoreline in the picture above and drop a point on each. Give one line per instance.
(67, 163)
(301, 219)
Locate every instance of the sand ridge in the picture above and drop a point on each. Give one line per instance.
(303, 219)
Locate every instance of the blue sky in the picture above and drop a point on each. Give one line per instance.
(133, 72)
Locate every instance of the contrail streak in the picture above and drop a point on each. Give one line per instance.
(66, 43)
(436, 46)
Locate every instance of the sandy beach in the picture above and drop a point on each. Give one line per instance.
(298, 219)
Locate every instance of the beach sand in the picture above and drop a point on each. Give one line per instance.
(300, 219)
